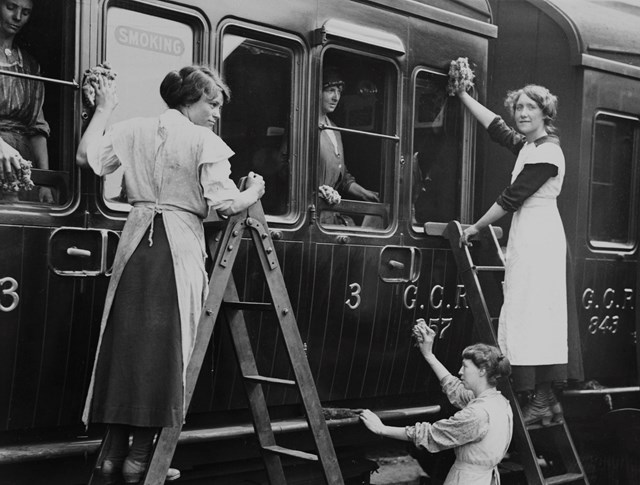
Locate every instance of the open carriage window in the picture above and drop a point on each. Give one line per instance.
(614, 182)
(37, 92)
(358, 143)
(259, 121)
(437, 151)
(142, 45)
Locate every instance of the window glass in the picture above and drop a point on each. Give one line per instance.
(256, 124)
(36, 117)
(358, 146)
(437, 151)
(141, 48)
(612, 218)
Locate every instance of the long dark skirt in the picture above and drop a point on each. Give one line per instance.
(139, 372)
(525, 377)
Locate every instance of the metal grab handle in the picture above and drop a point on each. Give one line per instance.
(395, 264)
(82, 253)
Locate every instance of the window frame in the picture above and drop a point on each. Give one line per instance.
(294, 218)
(610, 246)
(467, 153)
(201, 34)
(392, 117)
(68, 123)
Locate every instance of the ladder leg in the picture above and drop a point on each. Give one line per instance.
(255, 394)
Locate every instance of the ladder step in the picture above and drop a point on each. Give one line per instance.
(257, 306)
(270, 380)
(279, 450)
(488, 268)
(538, 426)
(566, 478)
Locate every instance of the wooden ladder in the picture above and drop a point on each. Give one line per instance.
(554, 442)
(223, 240)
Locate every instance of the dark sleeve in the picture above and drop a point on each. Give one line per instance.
(506, 136)
(527, 183)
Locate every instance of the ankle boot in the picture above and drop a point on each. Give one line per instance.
(556, 409)
(110, 471)
(537, 410)
(133, 471)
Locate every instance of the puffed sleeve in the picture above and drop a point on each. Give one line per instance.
(506, 136)
(215, 173)
(101, 156)
(467, 425)
(455, 391)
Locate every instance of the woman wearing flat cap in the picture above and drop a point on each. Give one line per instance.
(333, 171)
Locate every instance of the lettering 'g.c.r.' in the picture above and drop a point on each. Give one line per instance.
(152, 41)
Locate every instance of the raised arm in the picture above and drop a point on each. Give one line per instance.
(106, 102)
(483, 114)
(425, 336)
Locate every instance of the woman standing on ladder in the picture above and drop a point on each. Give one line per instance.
(532, 329)
(175, 170)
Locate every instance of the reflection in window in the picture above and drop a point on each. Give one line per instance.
(437, 151)
(141, 49)
(612, 218)
(256, 123)
(367, 104)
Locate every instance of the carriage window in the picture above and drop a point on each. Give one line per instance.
(142, 48)
(37, 93)
(614, 182)
(257, 123)
(437, 151)
(358, 143)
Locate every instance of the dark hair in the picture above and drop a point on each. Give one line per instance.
(546, 101)
(490, 359)
(186, 86)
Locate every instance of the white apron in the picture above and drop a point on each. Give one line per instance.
(533, 320)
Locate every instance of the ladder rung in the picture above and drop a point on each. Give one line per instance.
(289, 452)
(538, 426)
(257, 306)
(488, 268)
(566, 478)
(270, 380)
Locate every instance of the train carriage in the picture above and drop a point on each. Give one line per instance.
(356, 289)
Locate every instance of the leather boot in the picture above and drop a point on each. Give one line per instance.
(538, 410)
(133, 471)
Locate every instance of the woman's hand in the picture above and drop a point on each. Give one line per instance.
(467, 234)
(424, 336)
(255, 182)
(106, 95)
(372, 421)
(9, 161)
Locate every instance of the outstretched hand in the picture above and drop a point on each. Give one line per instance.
(371, 421)
(424, 336)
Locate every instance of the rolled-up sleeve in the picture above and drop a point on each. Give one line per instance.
(215, 173)
(102, 157)
(467, 425)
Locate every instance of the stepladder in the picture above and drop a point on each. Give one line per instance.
(224, 238)
(546, 454)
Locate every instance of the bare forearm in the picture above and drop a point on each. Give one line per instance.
(483, 114)
(39, 150)
(246, 199)
(438, 369)
(92, 134)
(494, 213)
